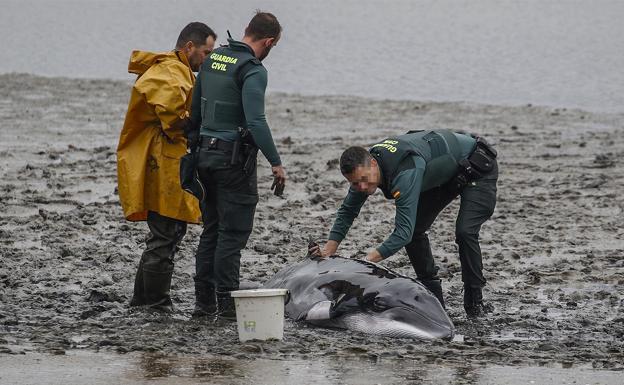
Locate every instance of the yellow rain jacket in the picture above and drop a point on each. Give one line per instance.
(150, 144)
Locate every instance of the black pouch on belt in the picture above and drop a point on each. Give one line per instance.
(478, 164)
(481, 142)
(481, 161)
(482, 158)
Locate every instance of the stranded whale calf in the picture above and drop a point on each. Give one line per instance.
(362, 296)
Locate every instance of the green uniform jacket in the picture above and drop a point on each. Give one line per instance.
(221, 103)
(409, 183)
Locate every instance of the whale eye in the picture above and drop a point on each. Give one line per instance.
(379, 304)
(407, 304)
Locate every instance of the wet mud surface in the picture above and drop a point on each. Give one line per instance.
(552, 251)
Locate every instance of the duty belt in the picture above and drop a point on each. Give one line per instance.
(211, 143)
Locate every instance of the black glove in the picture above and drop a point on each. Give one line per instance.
(277, 187)
(311, 246)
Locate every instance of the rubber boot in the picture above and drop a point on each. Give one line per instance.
(225, 305)
(205, 300)
(473, 302)
(138, 297)
(435, 286)
(157, 286)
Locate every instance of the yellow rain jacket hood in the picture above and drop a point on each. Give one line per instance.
(151, 143)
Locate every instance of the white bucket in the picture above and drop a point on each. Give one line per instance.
(260, 314)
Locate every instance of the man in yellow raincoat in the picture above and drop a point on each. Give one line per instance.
(148, 157)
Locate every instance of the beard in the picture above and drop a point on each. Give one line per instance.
(265, 53)
(194, 63)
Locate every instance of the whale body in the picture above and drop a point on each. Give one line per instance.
(362, 296)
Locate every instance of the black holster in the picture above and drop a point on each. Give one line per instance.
(248, 149)
(251, 158)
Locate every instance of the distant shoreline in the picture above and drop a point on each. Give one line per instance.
(25, 75)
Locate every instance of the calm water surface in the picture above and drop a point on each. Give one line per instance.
(550, 52)
(105, 368)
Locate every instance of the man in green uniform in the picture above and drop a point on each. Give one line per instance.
(228, 103)
(424, 171)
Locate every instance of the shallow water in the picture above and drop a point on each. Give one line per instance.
(555, 52)
(82, 367)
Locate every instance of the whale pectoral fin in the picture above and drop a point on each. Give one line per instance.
(320, 311)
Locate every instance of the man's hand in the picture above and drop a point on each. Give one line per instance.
(326, 251)
(181, 124)
(192, 141)
(279, 180)
(192, 135)
(373, 256)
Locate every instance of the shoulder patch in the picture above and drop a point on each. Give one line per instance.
(396, 194)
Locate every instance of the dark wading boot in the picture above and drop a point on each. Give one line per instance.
(435, 287)
(138, 297)
(473, 302)
(205, 301)
(157, 286)
(225, 305)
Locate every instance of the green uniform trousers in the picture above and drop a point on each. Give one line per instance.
(227, 214)
(478, 200)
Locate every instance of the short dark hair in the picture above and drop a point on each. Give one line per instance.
(196, 32)
(352, 158)
(263, 25)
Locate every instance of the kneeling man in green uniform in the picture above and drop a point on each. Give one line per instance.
(423, 172)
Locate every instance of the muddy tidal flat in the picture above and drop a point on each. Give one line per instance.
(553, 251)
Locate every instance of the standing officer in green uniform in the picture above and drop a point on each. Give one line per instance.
(424, 171)
(228, 124)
